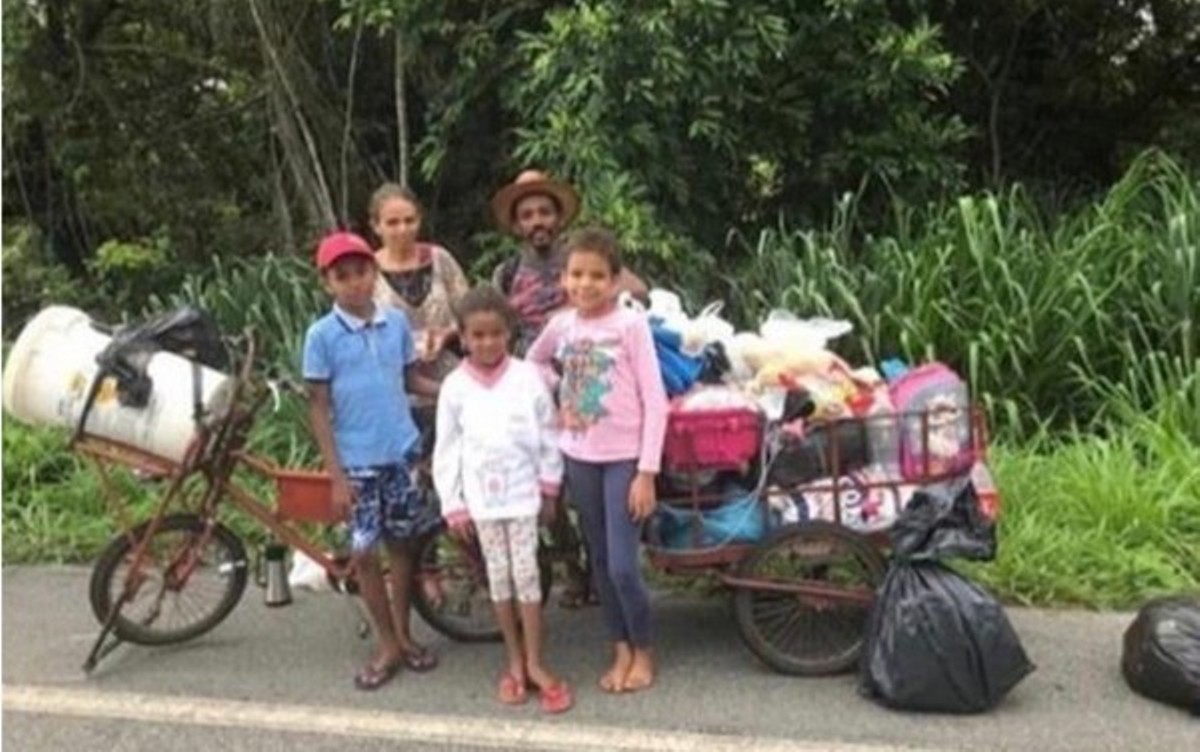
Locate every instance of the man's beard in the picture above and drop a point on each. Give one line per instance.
(542, 240)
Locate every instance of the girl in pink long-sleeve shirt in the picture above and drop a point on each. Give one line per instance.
(613, 413)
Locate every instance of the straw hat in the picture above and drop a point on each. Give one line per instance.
(529, 183)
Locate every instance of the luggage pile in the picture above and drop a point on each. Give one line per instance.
(777, 415)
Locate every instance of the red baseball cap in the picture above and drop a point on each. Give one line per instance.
(337, 245)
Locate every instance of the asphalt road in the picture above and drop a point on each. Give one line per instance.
(280, 678)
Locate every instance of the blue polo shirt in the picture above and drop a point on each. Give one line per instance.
(363, 362)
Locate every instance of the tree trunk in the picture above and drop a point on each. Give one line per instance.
(347, 124)
(292, 121)
(401, 112)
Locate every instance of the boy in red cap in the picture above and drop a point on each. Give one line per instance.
(358, 362)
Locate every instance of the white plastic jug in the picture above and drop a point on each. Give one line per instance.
(49, 374)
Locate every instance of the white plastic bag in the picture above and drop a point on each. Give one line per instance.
(706, 327)
(667, 307)
(714, 398)
(307, 573)
(868, 498)
(696, 332)
(784, 329)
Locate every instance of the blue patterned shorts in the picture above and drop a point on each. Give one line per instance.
(388, 506)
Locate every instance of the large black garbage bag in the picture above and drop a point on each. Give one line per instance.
(943, 521)
(1162, 652)
(938, 642)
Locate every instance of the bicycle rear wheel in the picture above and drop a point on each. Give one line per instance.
(186, 582)
(807, 634)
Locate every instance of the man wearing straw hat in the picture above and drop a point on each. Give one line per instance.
(536, 208)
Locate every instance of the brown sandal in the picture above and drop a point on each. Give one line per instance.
(419, 659)
(371, 677)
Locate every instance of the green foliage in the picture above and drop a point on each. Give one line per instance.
(1046, 318)
(56, 508)
(1065, 92)
(128, 273)
(816, 98)
(122, 121)
(30, 278)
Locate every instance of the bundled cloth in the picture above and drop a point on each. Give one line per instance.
(679, 371)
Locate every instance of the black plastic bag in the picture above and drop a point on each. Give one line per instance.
(938, 642)
(187, 331)
(811, 457)
(944, 521)
(714, 364)
(1162, 652)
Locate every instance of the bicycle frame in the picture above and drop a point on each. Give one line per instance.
(216, 453)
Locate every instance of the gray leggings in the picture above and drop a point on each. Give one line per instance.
(600, 492)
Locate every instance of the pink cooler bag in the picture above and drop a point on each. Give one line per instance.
(934, 412)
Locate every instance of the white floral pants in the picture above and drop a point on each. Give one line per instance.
(510, 551)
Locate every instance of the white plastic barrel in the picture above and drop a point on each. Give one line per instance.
(49, 373)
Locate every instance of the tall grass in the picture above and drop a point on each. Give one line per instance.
(1048, 319)
(1100, 521)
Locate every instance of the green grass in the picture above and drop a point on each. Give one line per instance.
(1098, 521)
(56, 510)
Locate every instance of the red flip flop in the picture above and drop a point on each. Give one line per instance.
(556, 699)
(510, 690)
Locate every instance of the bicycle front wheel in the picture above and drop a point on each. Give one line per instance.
(186, 581)
(450, 589)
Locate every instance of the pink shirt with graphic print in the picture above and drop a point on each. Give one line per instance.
(612, 404)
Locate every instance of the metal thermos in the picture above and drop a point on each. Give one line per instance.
(279, 593)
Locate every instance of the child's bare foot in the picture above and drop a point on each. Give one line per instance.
(613, 680)
(511, 688)
(386, 656)
(417, 658)
(540, 677)
(379, 671)
(641, 671)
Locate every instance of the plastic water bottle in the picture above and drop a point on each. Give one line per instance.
(883, 433)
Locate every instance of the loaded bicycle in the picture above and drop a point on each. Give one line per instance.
(180, 572)
(802, 582)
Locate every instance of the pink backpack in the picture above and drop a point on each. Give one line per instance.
(935, 422)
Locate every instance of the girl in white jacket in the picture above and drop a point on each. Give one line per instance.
(497, 468)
